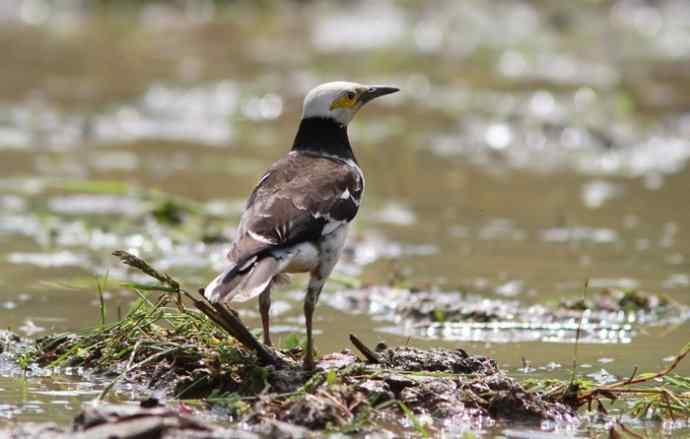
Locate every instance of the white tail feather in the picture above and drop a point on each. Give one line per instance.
(216, 289)
(243, 286)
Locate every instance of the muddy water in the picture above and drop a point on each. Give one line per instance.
(534, 146)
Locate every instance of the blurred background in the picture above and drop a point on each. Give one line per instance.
(534, 145)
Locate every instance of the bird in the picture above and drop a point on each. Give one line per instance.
(296, 219)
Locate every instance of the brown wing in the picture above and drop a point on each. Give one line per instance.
(300, 198)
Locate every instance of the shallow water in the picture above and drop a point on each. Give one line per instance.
(516, 164)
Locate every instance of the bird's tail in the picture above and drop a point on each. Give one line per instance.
(243, 284)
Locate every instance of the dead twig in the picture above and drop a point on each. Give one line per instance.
(132, 367)
(632, 376)
(634, 379)
(371, 356)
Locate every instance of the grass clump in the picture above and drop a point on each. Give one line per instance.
(155, 344)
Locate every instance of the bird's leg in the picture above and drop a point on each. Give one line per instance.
(264, 310)
(310, 300)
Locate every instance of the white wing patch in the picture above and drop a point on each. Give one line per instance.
(266, 175)
(282, 230)
(261, 238)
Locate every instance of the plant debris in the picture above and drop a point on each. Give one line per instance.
(653, 395)
(617, 300)
(607, 316)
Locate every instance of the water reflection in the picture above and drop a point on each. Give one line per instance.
(461, 317)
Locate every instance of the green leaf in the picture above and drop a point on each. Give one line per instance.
(112, 187)
(331, 377)
(149, 287)
(292, 341)
(439, 315)
(411, 416)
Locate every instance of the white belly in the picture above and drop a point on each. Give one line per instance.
(306, 257)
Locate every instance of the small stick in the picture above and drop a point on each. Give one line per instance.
(210, 313)
(371, 356)
(632, 376)
(132, 367)
(244, 336)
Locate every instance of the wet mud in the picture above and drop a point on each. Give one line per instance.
(130, 422)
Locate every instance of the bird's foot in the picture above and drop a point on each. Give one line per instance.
(267, 339)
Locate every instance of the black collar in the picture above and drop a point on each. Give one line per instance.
(323, 135)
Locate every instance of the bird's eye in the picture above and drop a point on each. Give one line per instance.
(351, 95)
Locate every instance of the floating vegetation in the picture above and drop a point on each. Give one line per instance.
(609, 316)
(640, 305)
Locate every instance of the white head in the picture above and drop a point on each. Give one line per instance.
(341, 100)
